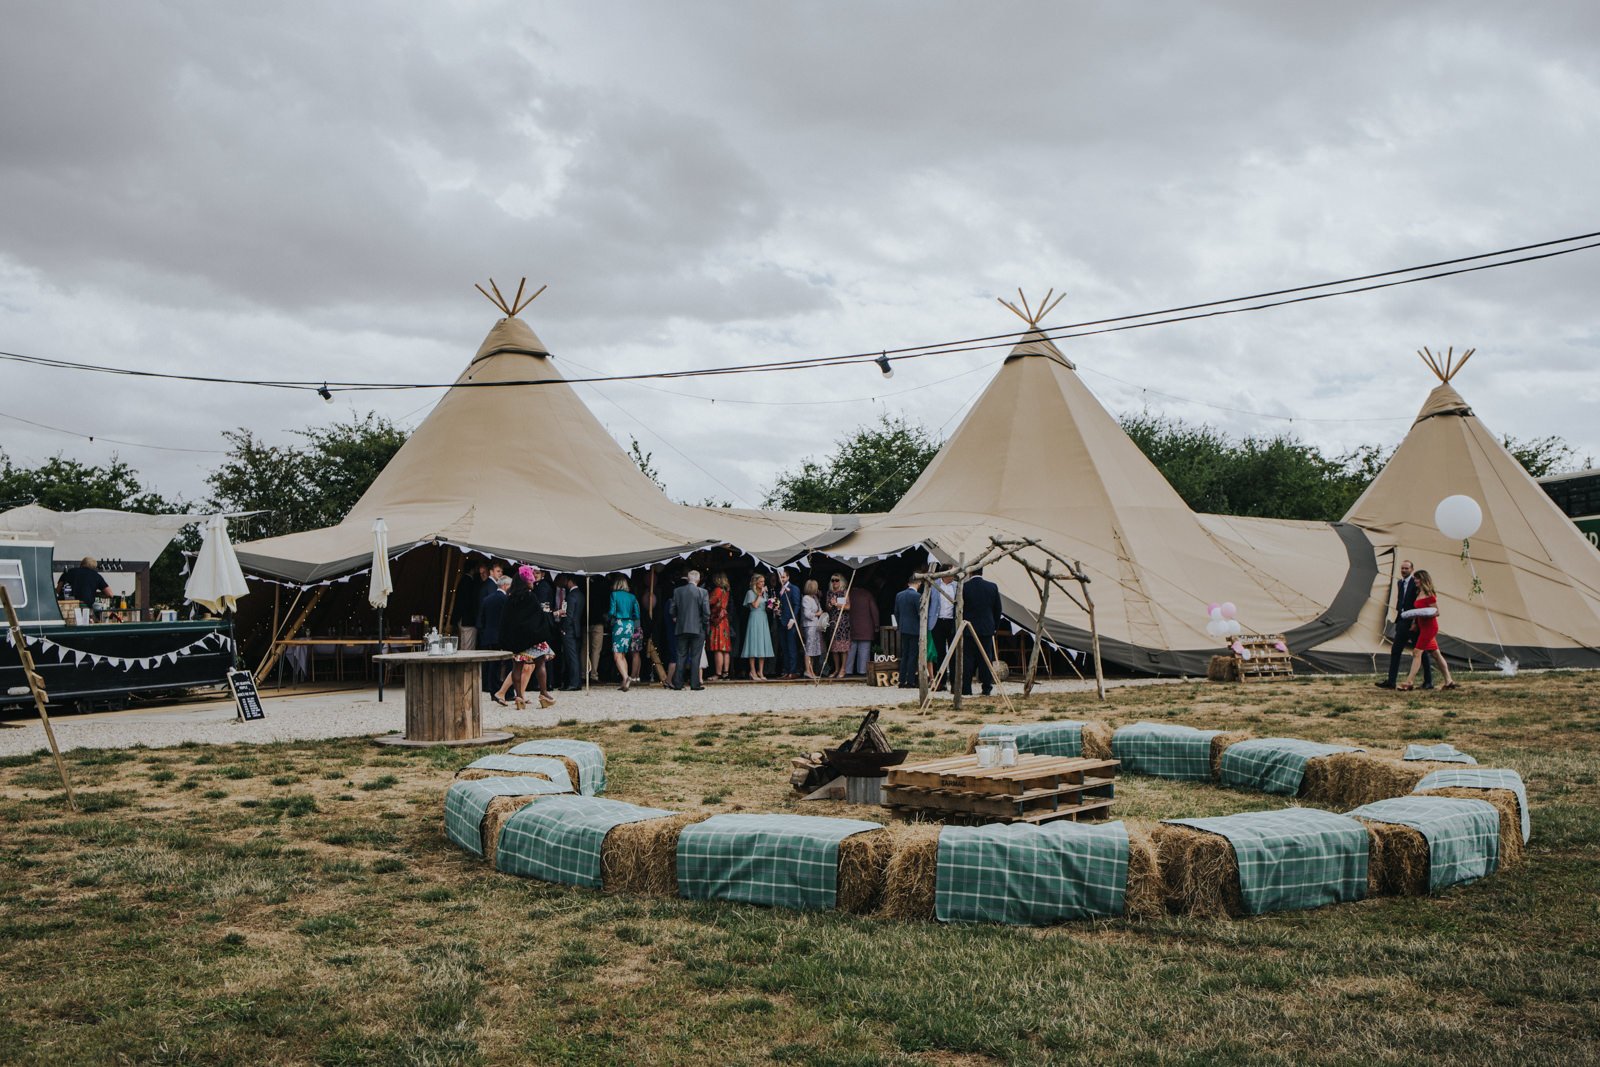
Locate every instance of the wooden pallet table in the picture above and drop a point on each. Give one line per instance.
(1037, 789)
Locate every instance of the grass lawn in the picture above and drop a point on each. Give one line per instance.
(298, 903)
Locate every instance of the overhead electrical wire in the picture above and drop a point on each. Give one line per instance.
(1069, 331)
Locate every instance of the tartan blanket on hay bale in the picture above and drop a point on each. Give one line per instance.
(804, 862)
(585, 761)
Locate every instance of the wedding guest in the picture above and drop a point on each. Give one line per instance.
(1426, 613)
(863, 629)
(719, 641)
(627, 636)
(813, 621)
(757, 634)
(525, 630)
(838, 607)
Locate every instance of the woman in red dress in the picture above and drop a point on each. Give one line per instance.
(719, 642)
(1426, 613)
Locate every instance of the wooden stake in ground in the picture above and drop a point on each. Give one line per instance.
(958, 666)
(36, 687)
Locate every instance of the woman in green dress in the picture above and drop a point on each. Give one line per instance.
(757, 636)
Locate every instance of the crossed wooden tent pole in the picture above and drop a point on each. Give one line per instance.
(1043, 578)
(36, 687)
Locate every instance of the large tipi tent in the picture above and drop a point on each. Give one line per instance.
(527, 472)
(1540, 578)
(1039, 457)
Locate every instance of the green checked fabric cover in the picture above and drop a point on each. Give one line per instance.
(561, 842)
(1294, 858)
(1443, 753)
(1031, 875)
(785, 861)
(589, 757)
(466, 803)
(526, 765)
(1482, 778)
(1272, 764)
(1463, 835)
(1042, 738)
(1164, 750)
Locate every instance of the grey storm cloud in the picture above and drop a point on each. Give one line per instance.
(312, 189)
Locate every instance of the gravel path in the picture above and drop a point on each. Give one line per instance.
(303, 717)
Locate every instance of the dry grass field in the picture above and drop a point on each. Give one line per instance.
(298, 903)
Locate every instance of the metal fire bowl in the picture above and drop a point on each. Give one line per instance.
(865, 764)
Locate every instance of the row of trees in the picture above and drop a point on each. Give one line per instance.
(315, 482)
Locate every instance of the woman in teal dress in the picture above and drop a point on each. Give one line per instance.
(626, 636)
(757, 637)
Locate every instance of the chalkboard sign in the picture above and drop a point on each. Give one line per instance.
(243, 685)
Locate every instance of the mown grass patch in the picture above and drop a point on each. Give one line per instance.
(334, 924)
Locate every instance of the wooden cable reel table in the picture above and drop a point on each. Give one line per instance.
(1037, 789)
(444, 699)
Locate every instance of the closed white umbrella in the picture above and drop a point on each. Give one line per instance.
(381, 585)
(216, 582)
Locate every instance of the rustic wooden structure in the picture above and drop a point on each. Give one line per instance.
(1037, 789)
(443, 698)
(36, 687)
(1267, 660)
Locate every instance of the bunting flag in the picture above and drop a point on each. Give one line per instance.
(215, 641)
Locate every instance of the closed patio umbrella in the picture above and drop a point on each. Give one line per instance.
(216, 582)
(382, 584)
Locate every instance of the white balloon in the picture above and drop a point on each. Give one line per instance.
(1216, 612)
(1458, 517)
(1234, 629)
(1214, 628)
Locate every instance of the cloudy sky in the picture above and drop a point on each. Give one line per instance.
(309, 191)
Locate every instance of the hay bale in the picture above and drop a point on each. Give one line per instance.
(1097, 740)
(475, 774)
(911, 879)
(1350, 779)
(1145, 894)
(863, 858)
(1224, 669)
(1398, 860)
(1199, 872)
(1505, 802)
(500, 809)
(1220, 744)
(642, 857)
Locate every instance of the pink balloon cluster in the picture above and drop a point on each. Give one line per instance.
(1221, 622)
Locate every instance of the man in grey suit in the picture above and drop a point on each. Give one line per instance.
(691, 606)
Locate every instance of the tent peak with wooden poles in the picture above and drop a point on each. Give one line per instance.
(1537, 600)
(511, 464)
(525, 471)
(1039, 459)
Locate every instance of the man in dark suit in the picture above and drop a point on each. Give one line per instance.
(908, 620)
(980, 606)
(572, 628)
(469, 598)
(789, 596)
(1405, 630)
(691, 606)
(489, 612)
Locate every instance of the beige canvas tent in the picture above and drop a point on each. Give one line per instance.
(1039, 457)
(527, 472)
(1540, 577)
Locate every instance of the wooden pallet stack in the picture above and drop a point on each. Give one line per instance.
(1037, 789)
(1266, 660)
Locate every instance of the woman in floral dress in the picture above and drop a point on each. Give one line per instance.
(719, 641)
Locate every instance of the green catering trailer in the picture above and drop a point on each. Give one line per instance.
(101, 664)
(1578, 495)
